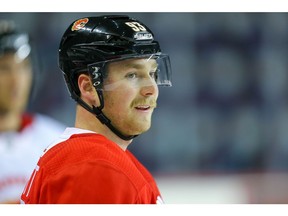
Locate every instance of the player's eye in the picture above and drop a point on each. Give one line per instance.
(132, 75)
(154, 74)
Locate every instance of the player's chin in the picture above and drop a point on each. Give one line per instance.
(144, 127)
(138, 128)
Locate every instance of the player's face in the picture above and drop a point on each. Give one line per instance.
(130, 94)
(15, 83)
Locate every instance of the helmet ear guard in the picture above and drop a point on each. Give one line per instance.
(97, 74)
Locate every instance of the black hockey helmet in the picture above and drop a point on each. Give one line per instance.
(90, 43)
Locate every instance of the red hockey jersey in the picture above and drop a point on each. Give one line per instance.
(85, 167)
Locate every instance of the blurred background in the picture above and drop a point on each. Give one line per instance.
(220, 134)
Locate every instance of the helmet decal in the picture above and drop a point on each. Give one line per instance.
(143, 36)
(136, 26)
(79, 24)
(140, 31)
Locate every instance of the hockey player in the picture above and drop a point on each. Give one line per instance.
(23, 136)
(112, 66)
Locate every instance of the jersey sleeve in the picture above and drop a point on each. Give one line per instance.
(88, 182)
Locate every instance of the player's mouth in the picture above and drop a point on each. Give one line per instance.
(143, 107)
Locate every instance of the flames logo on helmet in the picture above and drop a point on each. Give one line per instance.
(79, 24)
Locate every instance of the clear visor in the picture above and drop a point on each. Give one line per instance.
(137, 72)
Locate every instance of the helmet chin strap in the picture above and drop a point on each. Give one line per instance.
(105, 120)
(97, 111)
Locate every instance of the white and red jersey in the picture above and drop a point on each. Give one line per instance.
(20, 151)
(84, 167)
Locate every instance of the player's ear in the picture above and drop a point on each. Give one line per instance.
(88, 92)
